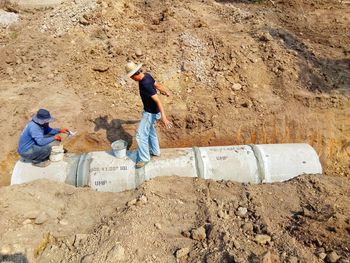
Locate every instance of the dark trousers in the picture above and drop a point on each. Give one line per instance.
(37, 154)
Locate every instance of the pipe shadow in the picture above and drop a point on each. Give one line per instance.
(114, 129)
(15, 258)
(316, 73)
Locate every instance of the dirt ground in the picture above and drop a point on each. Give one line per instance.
(172, 219)
(240, 72)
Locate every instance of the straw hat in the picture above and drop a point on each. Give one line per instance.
(131, 68)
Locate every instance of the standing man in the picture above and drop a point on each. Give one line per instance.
(146, 135)
(37, 139)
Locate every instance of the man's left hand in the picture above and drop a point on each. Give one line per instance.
(64, 130)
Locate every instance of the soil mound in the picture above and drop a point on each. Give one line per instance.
(173, 219)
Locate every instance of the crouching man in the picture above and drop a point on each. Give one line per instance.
(37, 139)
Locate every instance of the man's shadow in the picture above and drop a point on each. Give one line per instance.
(114, 129)
(15, 258)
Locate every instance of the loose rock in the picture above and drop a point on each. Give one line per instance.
(87, 259)
(332, 257)
(138, 52)
(83, 21)
(42, 218)
(182, 252)
(198, 234)
(142, 199)
(100, 68)
(117, 253)
(248, 227)
(242, 211)
(131, 202)
(236, 86)
(322, 255)
(293, 260)
(262, 239)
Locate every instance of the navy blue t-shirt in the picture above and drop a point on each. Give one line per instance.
(147, 90)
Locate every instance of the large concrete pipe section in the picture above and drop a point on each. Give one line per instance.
(102, 171)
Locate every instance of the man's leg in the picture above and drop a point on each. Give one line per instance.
(142, 135)
(153, 138)
(37, 154)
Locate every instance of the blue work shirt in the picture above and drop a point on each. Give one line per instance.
(35, 134)
(147, 90)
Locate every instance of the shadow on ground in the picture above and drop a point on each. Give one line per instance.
(15, 258)
(317, 74)
(114, 129)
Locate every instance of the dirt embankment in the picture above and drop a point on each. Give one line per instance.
(239, 72)
(179, 220)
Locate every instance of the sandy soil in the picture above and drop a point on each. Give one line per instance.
(240, 72)
(179, 220)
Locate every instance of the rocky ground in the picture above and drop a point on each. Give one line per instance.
(174, 219)
(240, 72)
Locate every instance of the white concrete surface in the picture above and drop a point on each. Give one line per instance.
(102, 171)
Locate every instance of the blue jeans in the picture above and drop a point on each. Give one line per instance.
(146, 137)
(37, 154)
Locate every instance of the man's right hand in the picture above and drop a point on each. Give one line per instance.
(58, 138)
(168, 124)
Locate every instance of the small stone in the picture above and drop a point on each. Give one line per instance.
(247, 104)
(6, 250)
(266, 257)
(101, 68)
(198, 234)
(138, 52)
(84, 21)
(292, 260)
(265, 37)
(262, 239)
(131, 202)
(236, 244)
(87, 259)
(269, 257)
(142, 199)
(242, 211)
(117, 253)
(41, 219)
(63, 222)
(186, 233)
(236, 86)
(50, 76)
(158, 226)
(182, 252)
(222, 214)
(322, 255)
(9, 71)
(26, 222)
(186, 66)
(332, 257)
(248, 227)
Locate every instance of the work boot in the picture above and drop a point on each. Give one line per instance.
(42, 164)
(140, 164)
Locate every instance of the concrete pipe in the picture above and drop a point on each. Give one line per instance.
(102, 171)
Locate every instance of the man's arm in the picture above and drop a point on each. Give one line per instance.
(168, 124)
(161, 89)
(37, 134)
